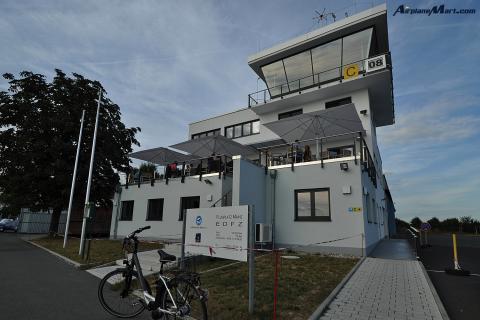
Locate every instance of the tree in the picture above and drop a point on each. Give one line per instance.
(401, 226)
(416, 222)
(39, 125)
(148, 169)
(450, 225)
(434, 223)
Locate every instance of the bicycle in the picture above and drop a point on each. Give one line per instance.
(125, 293)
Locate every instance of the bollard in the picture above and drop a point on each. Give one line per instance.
(457, 270)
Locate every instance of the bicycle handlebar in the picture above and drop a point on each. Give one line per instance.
(138, 231)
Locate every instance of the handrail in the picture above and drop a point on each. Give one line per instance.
(224, 196)
(313, 76)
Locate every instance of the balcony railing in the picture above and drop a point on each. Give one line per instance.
(312, 81)
(221, 165)
(348, 145)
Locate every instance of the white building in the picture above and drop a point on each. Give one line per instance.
(329, 89)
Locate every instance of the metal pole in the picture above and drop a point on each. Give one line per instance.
(70, 201)
(251, 260)
(90, 172)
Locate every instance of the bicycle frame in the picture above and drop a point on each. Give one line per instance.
(147, 296)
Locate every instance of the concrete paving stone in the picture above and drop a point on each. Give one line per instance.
(386, 289)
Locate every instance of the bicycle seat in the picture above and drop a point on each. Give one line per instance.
(165, 256)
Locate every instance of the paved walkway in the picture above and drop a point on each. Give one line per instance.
(392, 288)
(149, 260)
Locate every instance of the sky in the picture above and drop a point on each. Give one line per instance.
(168, 63)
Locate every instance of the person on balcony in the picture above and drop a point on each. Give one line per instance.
(211, 163)
(307, 154)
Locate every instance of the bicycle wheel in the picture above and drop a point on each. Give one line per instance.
(121, 294)
(190, 303)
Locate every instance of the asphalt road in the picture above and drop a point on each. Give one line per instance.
(37, 285)
(460, 295)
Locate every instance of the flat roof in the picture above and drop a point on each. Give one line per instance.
(376, 16)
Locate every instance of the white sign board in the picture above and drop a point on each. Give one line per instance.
(376, 63)
(218, 232)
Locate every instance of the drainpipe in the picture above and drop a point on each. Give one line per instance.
(273, 176)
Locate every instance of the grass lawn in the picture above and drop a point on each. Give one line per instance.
(303, 284)
(101, 250)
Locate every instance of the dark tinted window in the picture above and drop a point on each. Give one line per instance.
(127, 211)
(338, 102)
(312, 205)
(155, 209)
(289, 114)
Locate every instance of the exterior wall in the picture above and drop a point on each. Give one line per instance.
(170, 227)
(306, 233)
(373, 231)
(232, 118)
(249, 187)
(360, 99)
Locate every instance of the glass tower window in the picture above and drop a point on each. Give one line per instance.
(356, 47)
(299, 67)
(327, 60)
(275, 76)
(317, 65)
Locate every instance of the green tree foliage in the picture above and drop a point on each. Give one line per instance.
(434, 223)
(416, 222)
(39, 125)
(148, 169)
(401, 226)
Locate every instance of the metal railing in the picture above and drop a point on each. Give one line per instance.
(293, 153)
(222, 164)
(314, 80)
(224, 201)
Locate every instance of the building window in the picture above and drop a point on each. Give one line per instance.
(214, 132)
(155, 210)
(127, 211)
(312, 205)
(243, 129)
(338, 102)
(188, 203)
(289, 114)
(374, 211)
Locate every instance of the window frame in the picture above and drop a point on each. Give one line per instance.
(289, 114)
(241, 124)
(338, 102)
(148, 218)
(313, 217)
(122, 216)
(180, 214)
(206, 133)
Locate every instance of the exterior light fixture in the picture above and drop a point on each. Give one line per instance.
(207, 181)
(344, 166)
(364, 112)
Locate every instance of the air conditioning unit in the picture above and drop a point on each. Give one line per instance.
(263, 232)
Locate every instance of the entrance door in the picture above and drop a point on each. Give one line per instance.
(188, 203)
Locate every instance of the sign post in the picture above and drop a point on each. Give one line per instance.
(224, 232)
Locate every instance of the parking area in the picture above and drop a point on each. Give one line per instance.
(460, 295)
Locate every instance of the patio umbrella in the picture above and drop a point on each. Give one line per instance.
(205, 146)
(161, 156)
(318, 124)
